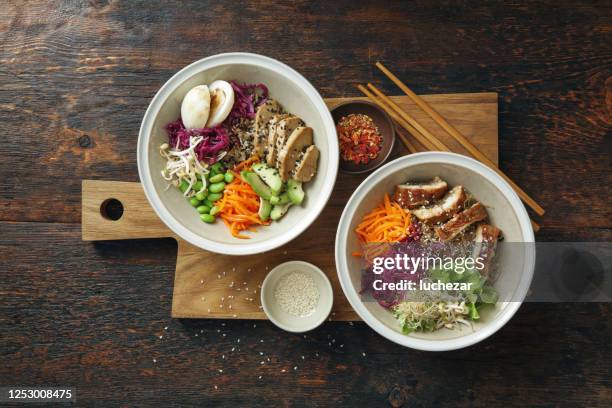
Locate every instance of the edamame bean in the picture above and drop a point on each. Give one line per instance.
(207, 218)
(217, 167)
(215, 210)
(208, 203)
(212, 197)
(202, 195)
(203, 209)
(217, 178)
(184, 186)
(194, 201)
(217, 187)
(229, 177)
(198, 185)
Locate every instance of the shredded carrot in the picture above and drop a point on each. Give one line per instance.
(244, 165)
(239, 206)
(388, 222)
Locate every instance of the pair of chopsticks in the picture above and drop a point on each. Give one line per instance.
(427, 139)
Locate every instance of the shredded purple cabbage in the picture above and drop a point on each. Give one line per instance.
(247, 97)
(215, 140)
(388, 298)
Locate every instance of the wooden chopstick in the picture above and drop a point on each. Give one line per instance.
(414, 132)
(460, 138)
(411, 148)
(412, 121)
(418, 136)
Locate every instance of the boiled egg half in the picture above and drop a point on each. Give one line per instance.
(207, 105)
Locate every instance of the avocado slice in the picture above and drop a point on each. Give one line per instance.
(295, 191)
(279, 210)
(257, 185)
(265, 208)
(269, 175)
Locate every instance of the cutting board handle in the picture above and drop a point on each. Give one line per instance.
(138, 219)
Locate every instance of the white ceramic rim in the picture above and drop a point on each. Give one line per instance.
(145, 134)
(312, 268)
(510, 307)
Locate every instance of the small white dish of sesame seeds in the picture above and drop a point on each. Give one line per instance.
(296, 296)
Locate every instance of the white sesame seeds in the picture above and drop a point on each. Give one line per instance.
(297, 294)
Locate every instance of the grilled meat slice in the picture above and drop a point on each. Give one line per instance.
(284, 129)
(298, 142)
(307, 166)
(444, 209)
(273, 127)
(485, 242)
(461, 221)
(262, 118)
(411, 195)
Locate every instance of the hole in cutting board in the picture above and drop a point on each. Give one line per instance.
(111, 209)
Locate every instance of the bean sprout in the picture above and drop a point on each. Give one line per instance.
(183, 165)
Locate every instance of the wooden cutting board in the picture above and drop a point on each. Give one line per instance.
(208, 285)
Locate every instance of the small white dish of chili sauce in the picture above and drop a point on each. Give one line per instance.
(366, 136)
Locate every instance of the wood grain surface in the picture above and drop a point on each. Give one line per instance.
(208, 285)
(75, 80)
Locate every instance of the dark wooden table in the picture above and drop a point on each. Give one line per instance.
(75, 80)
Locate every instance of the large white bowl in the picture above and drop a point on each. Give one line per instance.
(505, 211)
(287, 86)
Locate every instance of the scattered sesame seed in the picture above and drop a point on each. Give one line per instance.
(155, 360)
(302, 357)
(161, 337)
(220, 370)
(295, 368)
(283, 370)
(260, 377)
(166, 328)
(363, 354)
(216, 388)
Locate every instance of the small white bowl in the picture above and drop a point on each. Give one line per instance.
(285, 320)
(287, 86)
